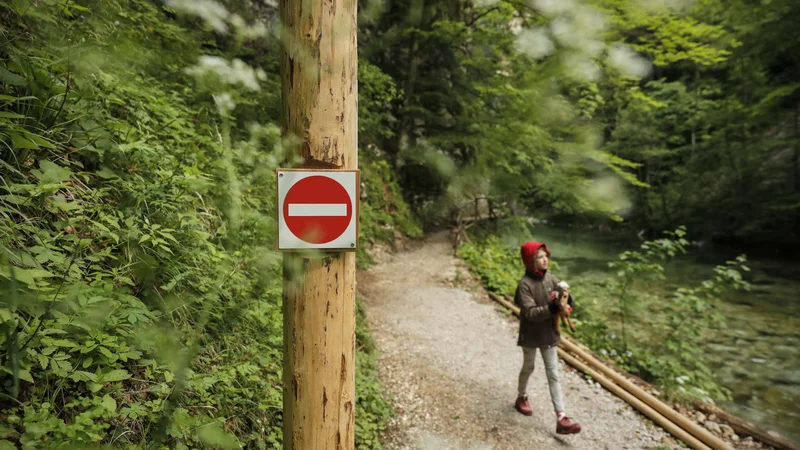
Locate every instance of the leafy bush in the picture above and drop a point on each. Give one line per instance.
(498, 266)
(373, 409)
(140, 298)
(383, 210)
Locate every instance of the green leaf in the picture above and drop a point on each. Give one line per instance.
(25, 375)
(106, 352)
(19, 141)
(213, 435)
(40, 140)
(60, 203)
(109, 403)
(51, 173)
(62, 343)
(11, 98)
(129, 355)
(106, 173)
(7, 445)
(10, 115)
(12, 79)
(14, 199)
(81, 375)
(6, 431)
(27, 276)
(115, 375)
(169, 236)
(43, 360)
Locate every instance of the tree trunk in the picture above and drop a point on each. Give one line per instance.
(731, 157)
(645, 194)
(319, 65)
(796, 149)
(665, 206)
(696, 102)
(406, 137)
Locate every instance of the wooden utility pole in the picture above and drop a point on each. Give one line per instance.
(319, 65)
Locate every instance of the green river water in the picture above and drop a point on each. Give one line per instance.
(756, 355)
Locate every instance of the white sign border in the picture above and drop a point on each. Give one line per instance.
(285, 240)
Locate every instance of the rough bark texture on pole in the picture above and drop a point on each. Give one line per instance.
(319, 350)
(319, 68)
(319, 110)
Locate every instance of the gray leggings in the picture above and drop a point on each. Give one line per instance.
(550, 357)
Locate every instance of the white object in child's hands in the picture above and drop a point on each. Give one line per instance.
(563, 285)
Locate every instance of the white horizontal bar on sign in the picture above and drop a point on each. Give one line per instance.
(318, 209)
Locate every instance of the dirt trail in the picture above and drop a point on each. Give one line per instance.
(450, 362)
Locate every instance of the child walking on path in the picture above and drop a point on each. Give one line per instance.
(537, 330)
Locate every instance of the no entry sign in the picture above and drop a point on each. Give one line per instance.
(317, 209)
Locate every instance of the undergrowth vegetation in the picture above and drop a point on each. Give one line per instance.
(140, 294)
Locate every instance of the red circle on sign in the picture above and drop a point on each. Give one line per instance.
(317, 209)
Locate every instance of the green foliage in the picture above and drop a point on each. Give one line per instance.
(139, 316)
(667, 35)
(690, 313)
(384, 211)
(137, 197)
(669, 355)
(634, 266)
(481, 114)
(712, 129)
(655, 114)
(383, 208)
(373, 409)
(498, 266)
(139, 292)
(377, 92)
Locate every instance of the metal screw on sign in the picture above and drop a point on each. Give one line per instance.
(352, 245)
(280, 175)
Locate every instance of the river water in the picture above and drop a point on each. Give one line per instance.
(756, 355)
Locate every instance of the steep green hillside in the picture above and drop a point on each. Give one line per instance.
(139, 289)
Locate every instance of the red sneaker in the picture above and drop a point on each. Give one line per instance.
(567, 426)
(523, 406)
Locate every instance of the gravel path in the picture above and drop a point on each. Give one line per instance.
(449, 361)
